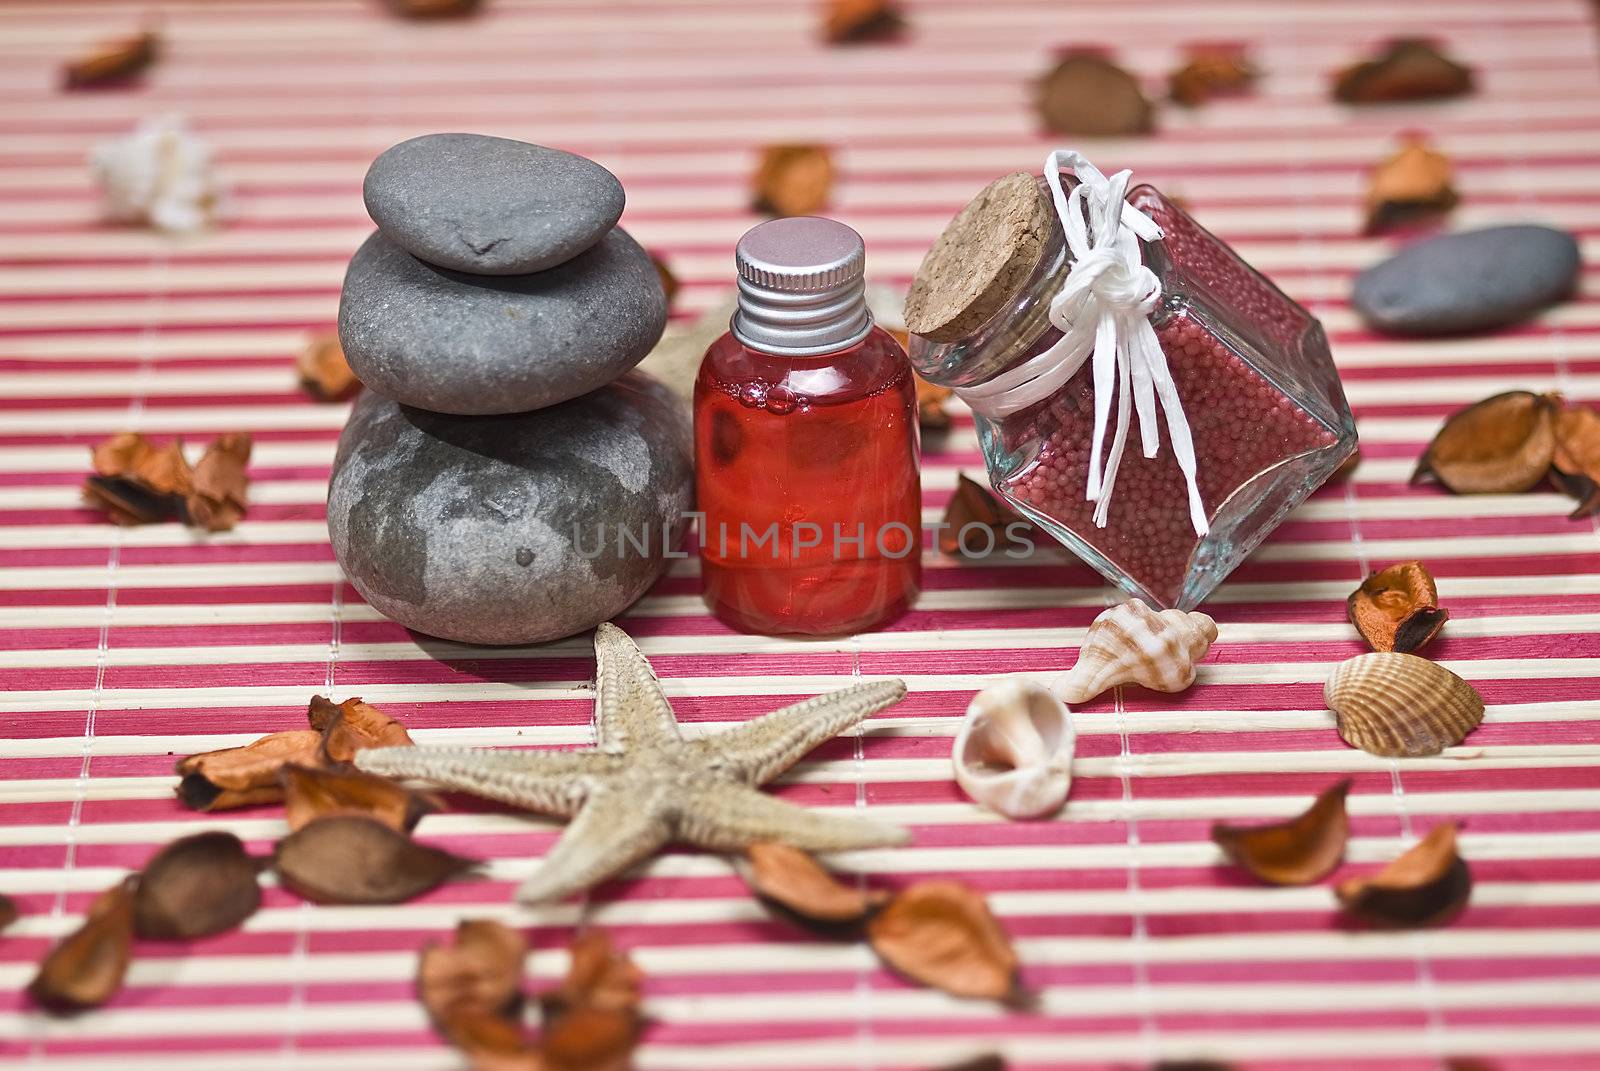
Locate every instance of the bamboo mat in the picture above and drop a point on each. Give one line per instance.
(124, 648)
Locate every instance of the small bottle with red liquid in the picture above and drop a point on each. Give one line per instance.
(806, 449)
(1265, 409)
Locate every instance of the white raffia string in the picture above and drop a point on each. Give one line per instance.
(1103, 312)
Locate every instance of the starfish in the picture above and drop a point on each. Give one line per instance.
(645, 785)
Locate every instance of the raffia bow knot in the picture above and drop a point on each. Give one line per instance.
(1103, 312)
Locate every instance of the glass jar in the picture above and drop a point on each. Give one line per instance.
(1252, 368)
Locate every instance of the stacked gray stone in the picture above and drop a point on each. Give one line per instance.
(504, 477)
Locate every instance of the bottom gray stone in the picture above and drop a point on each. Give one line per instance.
(511, 529)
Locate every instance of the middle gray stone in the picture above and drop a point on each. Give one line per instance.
(483, 345)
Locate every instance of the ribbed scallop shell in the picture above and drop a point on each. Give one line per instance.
(1013, 753)
(1401, 704)
(1133, 644)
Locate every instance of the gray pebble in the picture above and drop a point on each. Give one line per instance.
(478, 344)
(1468, 281)
(464, 527)
(490, 205)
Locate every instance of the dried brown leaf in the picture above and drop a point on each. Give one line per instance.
(1211, 72)
(942, 934)
(1500, 445)
(1404, 70)
(352, 725)
(1575, 464)
(472, 987)
(1426, 886)
(992, 1061)
(1087, 94)
(137, 483)
(434, 9)
(849, 22)
(669, 281)
(1413, 185)
(324, 373)
(353, 859)
(590, 1039)
(1299, 851)
(793, 180)
(974, 504)
(1397, 609)
(310, 793)
(244, 776)
(112, 62)
(931, 413)
(196, 886)
(85, 968)
(598, 976)
(218, 502)
(798, 882)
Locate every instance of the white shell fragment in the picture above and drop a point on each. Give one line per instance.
(159, 176)
(1133, 644)
(1013, 754)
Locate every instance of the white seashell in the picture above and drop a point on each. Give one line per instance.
(1013, 754)
(160, 176)
(1133, 644)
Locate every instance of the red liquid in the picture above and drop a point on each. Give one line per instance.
(794, 458)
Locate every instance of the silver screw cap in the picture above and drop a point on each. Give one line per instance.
(801, 287)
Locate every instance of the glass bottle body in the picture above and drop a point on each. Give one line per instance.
(1258, 386)
(808, 487)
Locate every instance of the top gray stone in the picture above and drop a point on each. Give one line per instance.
(1468, 281)
(491, 206)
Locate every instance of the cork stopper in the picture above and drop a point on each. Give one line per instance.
(981, 261)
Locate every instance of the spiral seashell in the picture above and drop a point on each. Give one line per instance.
(1013, 754)
(1389, 703)
(1133, 644)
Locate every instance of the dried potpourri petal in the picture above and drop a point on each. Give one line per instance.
(1299, 851)
(1211, 71)
(85, 968)
(793, 180)
(848, 22)
(1575, 464)
(598, 976)
(310, 793)
(324, 372)
(931, 414)
(991, 1061)
(975, 504)
(217, 500)
(349, 726)
(434, 9)
(590, 1039)
(244, 776)
(353, 859)
(1502, 444)
(1397, 609)
(1087, 94)
(1426, 886)
(136, 483)
(196, 886)
(1405, 70)
(941, 933)
(8, 911)
(472, 987)
(1414, 184)
(669, 281)
(112, 62)
(794, 880)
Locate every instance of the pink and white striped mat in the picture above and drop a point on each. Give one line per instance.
(123, 649)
